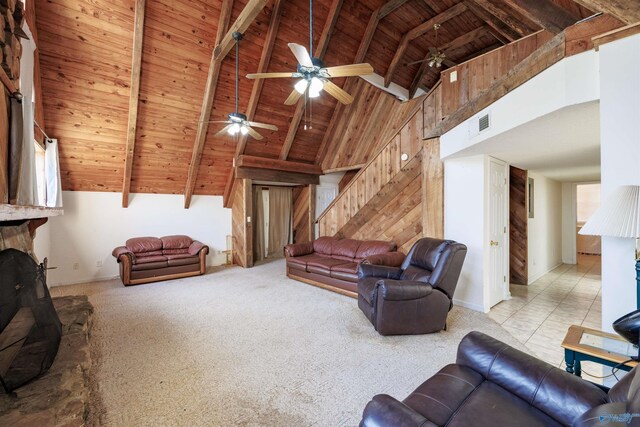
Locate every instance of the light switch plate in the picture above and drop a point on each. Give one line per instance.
(453, 77)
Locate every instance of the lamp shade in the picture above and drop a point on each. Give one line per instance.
(618, 216)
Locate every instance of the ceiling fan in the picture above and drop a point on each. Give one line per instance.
(237, 123)
(436, 57)
(313, 75)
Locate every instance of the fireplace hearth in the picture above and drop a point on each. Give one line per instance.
(30, 329)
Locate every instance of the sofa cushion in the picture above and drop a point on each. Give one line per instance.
(349, 277)
(139, 245)
(345, 248)
(175, 251)
(149, 259)
(324, 245)
(491, 405)
(350, 267)
(326, 263)
(302, 260)
(188, 260)
(149, 265)
(176, 242)
(374, 247)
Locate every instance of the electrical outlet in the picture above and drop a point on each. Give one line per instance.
(76, 266)
(99, 263)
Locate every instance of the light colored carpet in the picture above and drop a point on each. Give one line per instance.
(251, 348)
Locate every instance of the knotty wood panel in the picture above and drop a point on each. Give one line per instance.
(365, 126)
(432, 190)
(578, 37)
(4, 149)
(303, 199)
(480, 73)
(432, 109)
(518, 222)
(242, 231)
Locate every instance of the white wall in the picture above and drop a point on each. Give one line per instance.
(464, 222)
(545, 228)
(42, 242)
(95, 223)
(620, 154)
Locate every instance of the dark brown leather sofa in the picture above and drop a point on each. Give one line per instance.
(492, 384)
(332, 263)
(151, 259)
(416, 297)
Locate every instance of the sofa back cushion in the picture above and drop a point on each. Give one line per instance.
(145, 245)
(374, 247)
(324, 245)
(345, 249)
(176, 242)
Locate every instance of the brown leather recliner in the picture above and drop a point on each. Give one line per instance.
(493, 384)
(415, 298)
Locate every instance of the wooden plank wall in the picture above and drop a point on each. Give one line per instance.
(365, 126)
(578, 37)
(4, 147)
(242, 230)
(518, 221)
(480, 73)
(303, 213)
(385, 165)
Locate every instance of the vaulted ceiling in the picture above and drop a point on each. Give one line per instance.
(86, 61)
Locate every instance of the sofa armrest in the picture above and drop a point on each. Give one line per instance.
(381, 271)
(390, 259)
(196, 247)
(403, 290)
(383, 410)
(298, 249)
(123, 251)
(553, 391)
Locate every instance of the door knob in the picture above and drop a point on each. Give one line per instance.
(494, 243)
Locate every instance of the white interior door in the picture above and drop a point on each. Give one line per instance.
(498, 237)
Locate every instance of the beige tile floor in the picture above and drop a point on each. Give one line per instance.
(539, 315)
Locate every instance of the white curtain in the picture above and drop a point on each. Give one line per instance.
(52, 175)
(27, 188)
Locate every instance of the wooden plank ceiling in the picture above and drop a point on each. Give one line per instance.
(86, 62)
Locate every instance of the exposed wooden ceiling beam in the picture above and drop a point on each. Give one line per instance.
(321, 48)
(628, 11)
(497, 25)
(545, 13)
(207, 102)
(246, 17)
(276, 164)
(453, 44)
(136, 67)
(504, 14)
(417, 32)
(389, 7)
(277, 176)
(263, 65)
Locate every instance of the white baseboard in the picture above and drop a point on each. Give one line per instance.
(470, 305)
(531, 280)
(78, 282)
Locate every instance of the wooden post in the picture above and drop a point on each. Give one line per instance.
(432, 190)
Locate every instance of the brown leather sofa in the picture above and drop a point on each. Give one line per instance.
(149, 259)
(492, 384)
(416, 297)
(332, 263)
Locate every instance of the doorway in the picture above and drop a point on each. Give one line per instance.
(587, 202)
(273, 216)
(498, 247)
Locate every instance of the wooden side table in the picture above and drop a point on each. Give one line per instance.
(585, 344)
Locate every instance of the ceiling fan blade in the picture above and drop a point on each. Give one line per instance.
(350, 70)
(418, 62)
(301, 54)
(268, 75)
(433, 51)
(262, 125)
(293, 98)
(254, 134)
(224, 130)
(337, 92)
(215, 121)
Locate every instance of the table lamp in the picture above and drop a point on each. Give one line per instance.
(619, 216)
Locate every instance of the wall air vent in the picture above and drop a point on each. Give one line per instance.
(483, 122)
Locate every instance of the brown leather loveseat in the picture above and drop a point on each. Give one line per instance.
(493, 384)
(151, 259)
(332, 263)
